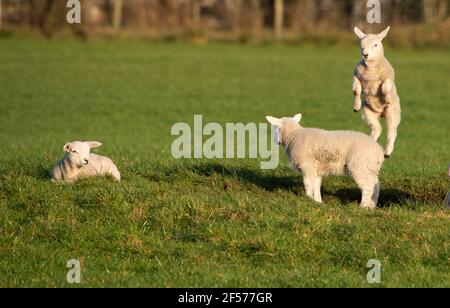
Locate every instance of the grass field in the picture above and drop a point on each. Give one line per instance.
(221, 223)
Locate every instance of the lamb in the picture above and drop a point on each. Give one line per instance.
(374, 90)
(318, 153)
(79, 163)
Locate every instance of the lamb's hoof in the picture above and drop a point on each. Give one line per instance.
(355, 111)
(387, 156)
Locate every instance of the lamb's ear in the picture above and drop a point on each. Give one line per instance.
(94, 144)
(359, 33)
(67, 148)
(273, 121)
(383, 34)
(298, 117)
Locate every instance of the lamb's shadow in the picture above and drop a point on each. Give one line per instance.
(43, 172)
(388, 197)
(266, 182)
(294, 183)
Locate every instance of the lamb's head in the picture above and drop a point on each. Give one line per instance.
(372, 44)
(282, 126)
(79, 152)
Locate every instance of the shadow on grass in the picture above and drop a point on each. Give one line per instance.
(267, 182)
(294, 183)
(388, 197)
(43, 172)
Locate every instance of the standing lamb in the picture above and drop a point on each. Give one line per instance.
(374, 80)
(80, 163)
(317, 153)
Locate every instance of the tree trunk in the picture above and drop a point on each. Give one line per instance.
(196, 13)
(171, 13)
(359, 13)
(236, 10)
(304, 15)
(428, 8)
(256, 16)
(279, 18)
(153, 13)
(1, 15)
(442, 10)
(117, 17)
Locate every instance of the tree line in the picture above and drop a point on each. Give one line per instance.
(228, 16)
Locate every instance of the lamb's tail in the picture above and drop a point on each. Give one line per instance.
(114, 172)
(116, 175)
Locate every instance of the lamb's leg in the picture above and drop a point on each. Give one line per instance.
(370, 188)
(357, 89)
(373, 120)
(370, 195)
(308, 181)
(317, 185)
(393, 119)
(387, 88)
(312, 184)
(376, 194)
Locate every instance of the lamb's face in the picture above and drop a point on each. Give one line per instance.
(372, 48)
(280, 124)
(372, 45)
(79, 152)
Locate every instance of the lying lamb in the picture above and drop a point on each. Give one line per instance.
(317, 153)
(80, 163)
(374, 79)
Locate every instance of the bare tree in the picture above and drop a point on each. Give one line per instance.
(171, 13)
(235, 7)
(117, 15)
(443, 9)
(134, 13)
(1, 14)
(303, 14)
(279, 18)
(359, 13)
(257, 16)
(196, 13)
(153, 16)
(434, 10)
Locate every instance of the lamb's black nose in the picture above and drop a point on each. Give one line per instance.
(365, 55)
(86, 161)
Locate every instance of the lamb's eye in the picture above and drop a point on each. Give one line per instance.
(376, 45)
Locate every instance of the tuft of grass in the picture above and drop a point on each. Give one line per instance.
(220, 223)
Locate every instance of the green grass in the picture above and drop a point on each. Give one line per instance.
(221, 223)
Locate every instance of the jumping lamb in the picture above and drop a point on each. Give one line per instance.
(79, 163)
(317, 153)
(374, 88)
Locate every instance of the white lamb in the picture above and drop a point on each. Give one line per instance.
(317, 153)
(374, 80)
(79, 163)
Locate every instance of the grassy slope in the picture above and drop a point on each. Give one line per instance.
(210, 223)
